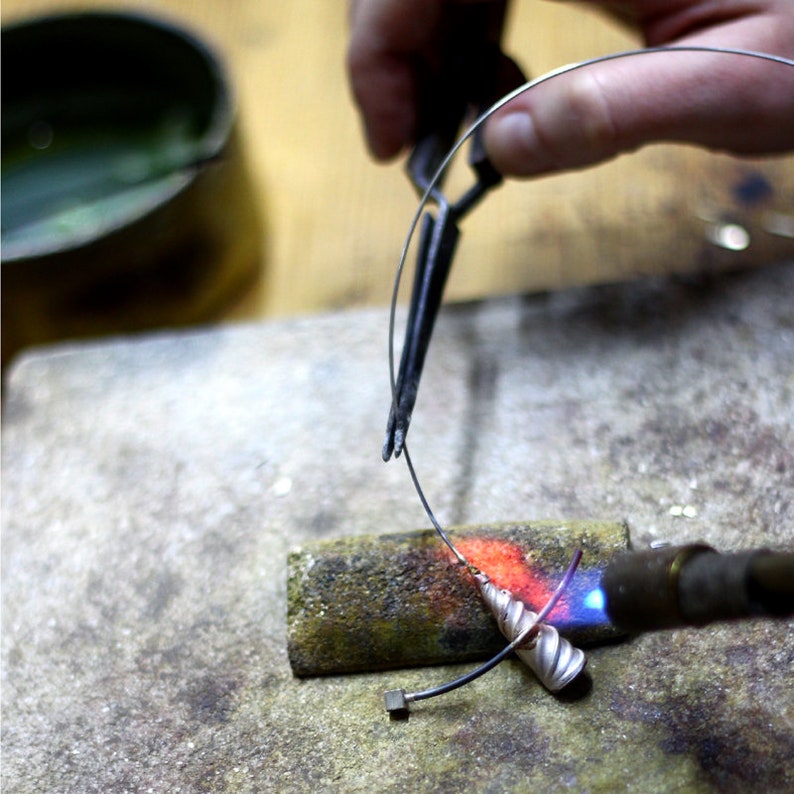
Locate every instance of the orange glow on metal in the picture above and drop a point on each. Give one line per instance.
(507, 566)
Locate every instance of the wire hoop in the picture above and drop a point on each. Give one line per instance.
(554, 669)
(434, 182)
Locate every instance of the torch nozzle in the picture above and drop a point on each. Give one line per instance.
(677, 586)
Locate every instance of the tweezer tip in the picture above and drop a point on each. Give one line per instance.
(388, 446)
(393, 444)
(399, 441)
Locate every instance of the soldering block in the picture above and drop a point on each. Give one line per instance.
(384, 601)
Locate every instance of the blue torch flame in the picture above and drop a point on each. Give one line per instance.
(595, 600)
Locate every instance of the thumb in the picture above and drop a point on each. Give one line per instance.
(721, 101)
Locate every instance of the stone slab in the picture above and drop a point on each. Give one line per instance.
(383, 601)
(152, 488)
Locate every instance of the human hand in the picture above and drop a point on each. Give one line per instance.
(723, 102)
(396, 49)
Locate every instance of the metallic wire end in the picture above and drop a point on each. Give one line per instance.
(396, 701)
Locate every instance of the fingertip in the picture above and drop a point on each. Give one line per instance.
(589, 115)
(387, 139)
(511, 144)
(379, 148)
(383, 92)
(565, 123)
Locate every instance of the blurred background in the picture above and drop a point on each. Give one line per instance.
(333, 222)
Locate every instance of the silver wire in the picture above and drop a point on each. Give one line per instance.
(491, 663)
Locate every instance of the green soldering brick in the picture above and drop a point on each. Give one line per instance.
(375, 602)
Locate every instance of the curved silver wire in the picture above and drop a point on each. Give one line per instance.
(530, 627)
(431, 187)
(433, 184)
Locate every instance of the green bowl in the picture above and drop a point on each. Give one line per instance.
(126, 203)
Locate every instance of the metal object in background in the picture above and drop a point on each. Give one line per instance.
(126, 201)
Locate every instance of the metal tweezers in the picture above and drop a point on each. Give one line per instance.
(471, 80)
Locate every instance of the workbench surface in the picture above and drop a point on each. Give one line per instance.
(152, 488)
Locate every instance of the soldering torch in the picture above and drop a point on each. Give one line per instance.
(693, 585)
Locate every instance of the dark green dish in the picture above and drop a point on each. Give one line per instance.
(125, 201)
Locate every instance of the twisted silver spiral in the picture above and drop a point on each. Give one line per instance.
(550, 657)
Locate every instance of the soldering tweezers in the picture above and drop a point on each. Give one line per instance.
(474, 70)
